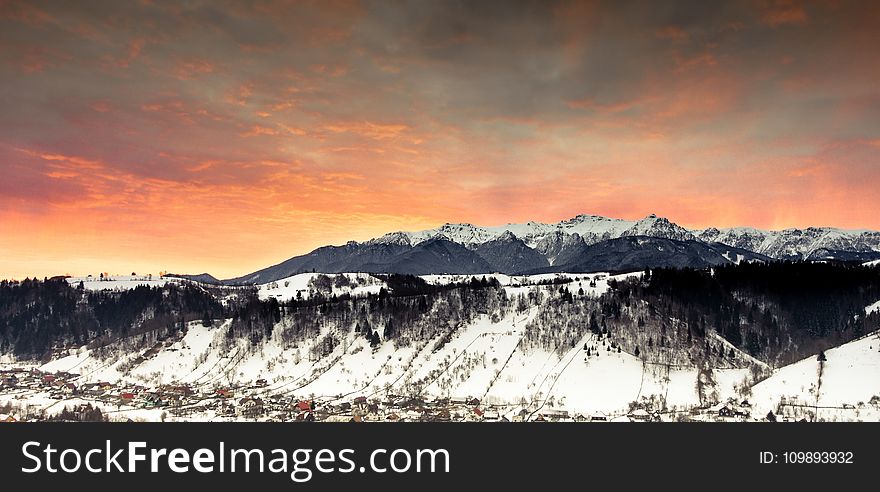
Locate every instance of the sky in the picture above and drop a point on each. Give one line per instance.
(222, 137)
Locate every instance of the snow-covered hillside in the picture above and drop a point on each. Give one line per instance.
(305, 285)
(491, 358)
(837, 389)
(120, 282)
(484, 359)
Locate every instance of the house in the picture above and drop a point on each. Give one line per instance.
(598, 417)
(360, 400)
(251, 407)
(180, 390)
(174, 400)
(48, 379)
(414, 403)
(68, 388)
(640, 415)
(721, 409)
(261, 383)
(224, 393)
(153, 400)
(556, 414)
(303, 406)
(126, 397)
(7, 418)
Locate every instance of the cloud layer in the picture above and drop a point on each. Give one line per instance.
(226, 136)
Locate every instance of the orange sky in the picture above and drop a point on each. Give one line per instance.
(222, 138)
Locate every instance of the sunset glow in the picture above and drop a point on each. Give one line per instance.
(222, 138)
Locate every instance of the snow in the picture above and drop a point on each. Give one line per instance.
(300, 284)
(872, 308)
(530, 232)
(850, 376)
(734, 259)
(120, 282)
(483, 359)
(516, 283)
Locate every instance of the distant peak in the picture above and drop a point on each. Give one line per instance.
(398, 237)
(583, 218)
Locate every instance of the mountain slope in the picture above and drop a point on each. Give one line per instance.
(205, 278)
(639, 252)
(434, 256)
(533, 246)
(849, 375)
(796, 243)
(351, 257)
(509, 254)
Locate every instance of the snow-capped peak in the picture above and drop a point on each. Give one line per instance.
(394, 238)
(655, 226)
(590, 229)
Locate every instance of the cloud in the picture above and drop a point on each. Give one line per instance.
(303, 123)
(782, 12)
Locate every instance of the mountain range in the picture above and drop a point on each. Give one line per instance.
(585, 243)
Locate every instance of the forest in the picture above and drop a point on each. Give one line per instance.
(37, 316)
(778, 312)
(727, 316)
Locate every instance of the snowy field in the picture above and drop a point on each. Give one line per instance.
(837, 389)
(120, 282)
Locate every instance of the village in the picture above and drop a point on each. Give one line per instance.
(20, 388)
